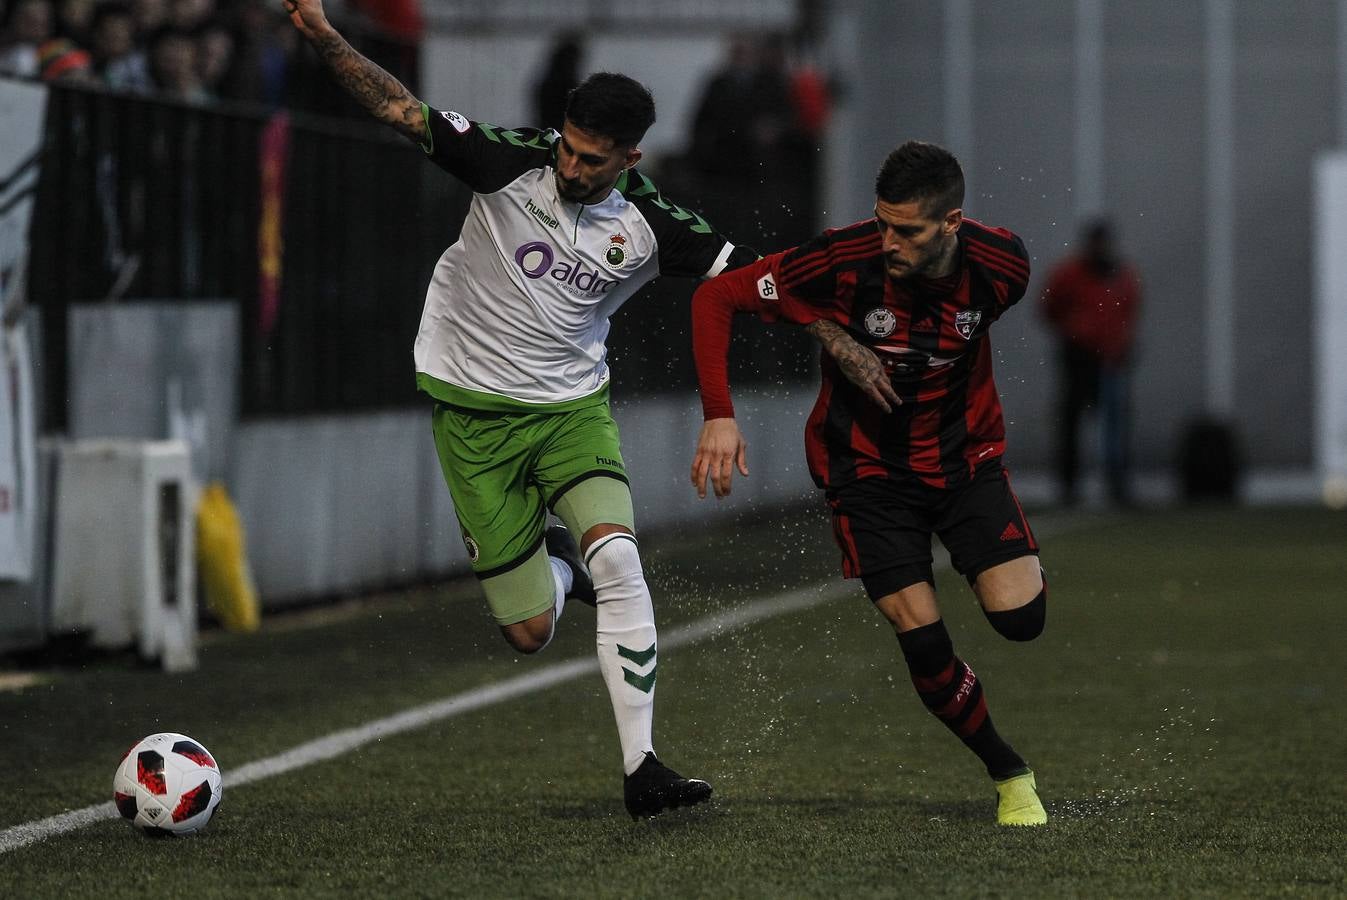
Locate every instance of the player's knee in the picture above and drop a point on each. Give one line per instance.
(530, 635)
(614, 562)
(1023, 623)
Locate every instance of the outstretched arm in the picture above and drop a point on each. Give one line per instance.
(721, 447)
(378, 92)
(858, 362)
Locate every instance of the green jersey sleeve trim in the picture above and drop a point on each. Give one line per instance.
(467, 398)
(428, 145)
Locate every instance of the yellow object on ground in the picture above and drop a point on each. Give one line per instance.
(1018, 802)
(222, 561)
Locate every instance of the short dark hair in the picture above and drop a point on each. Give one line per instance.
(613, 106)
(923, 172)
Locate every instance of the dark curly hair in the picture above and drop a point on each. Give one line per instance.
(613, 106)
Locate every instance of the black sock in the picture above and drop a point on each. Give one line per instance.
(953, 693)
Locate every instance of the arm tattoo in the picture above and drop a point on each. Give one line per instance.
(858, 362)
(377, 91)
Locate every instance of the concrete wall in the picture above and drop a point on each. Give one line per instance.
(334, 505)
(1195, 125)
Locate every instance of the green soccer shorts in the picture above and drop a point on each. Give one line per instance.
(506, 469)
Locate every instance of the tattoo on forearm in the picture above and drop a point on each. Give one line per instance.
(373, 88)
(858, 362)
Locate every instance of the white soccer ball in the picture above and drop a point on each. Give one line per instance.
(167, 784)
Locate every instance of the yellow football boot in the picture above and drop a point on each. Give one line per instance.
(1018, 802)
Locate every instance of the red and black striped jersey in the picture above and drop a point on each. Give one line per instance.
(931, 336)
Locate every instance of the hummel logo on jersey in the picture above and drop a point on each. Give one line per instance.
(926, 324)
(767, 287)
(541, 214)
(1012, 533)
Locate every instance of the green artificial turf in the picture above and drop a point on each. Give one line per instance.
(1182, 711)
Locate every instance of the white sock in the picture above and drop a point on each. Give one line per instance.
(625, 641)
(562, 578)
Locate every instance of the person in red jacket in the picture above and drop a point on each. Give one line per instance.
(907, 434)
(1091, 302)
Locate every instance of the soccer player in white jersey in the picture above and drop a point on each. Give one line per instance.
(561, 231)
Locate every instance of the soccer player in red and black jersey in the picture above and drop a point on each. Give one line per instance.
(907, 435)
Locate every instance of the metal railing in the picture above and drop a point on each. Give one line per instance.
(151, 200)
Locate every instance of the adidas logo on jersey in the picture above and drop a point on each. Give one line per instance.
(1012, 533)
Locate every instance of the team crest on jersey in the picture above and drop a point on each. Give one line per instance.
(616, 254)
(966, 322)
(880, 322)
(461, 125)
(474, 552)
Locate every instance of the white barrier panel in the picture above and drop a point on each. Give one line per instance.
(1330, 327)
(124, 548)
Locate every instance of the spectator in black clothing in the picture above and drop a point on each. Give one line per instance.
(150, 16)
(264, 54)
(215, 57)
(559, 78)
(73, 18)
(173, 65)
(27, 23)
(189, 15)
(118, 62)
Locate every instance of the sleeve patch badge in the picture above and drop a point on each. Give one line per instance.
(966, 322)
(461, 125)
(767, 287)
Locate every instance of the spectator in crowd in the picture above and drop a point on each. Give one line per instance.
(173, 66)
(73, 18)
(748, 152)
(61, 60)
(1091, 302)
(118, 63)
(559, 78)
(150, 16)
(189, 15)
(264, 54)
(743, 112)
(215, 57)
(27, 23)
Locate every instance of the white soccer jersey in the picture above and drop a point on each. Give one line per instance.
(518, 306)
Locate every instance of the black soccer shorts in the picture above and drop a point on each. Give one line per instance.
(884, 527)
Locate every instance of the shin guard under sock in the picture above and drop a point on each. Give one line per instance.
(949, 689)
(625, 640)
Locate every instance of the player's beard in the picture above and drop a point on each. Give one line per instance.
(575, 191)
(926, 266)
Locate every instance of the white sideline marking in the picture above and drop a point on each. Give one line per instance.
(342, 742)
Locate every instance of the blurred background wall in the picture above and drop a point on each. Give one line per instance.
(1194, 126)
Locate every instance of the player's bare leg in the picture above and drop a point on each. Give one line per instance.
(1014, 596)
(569, 581)
(530, 635)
